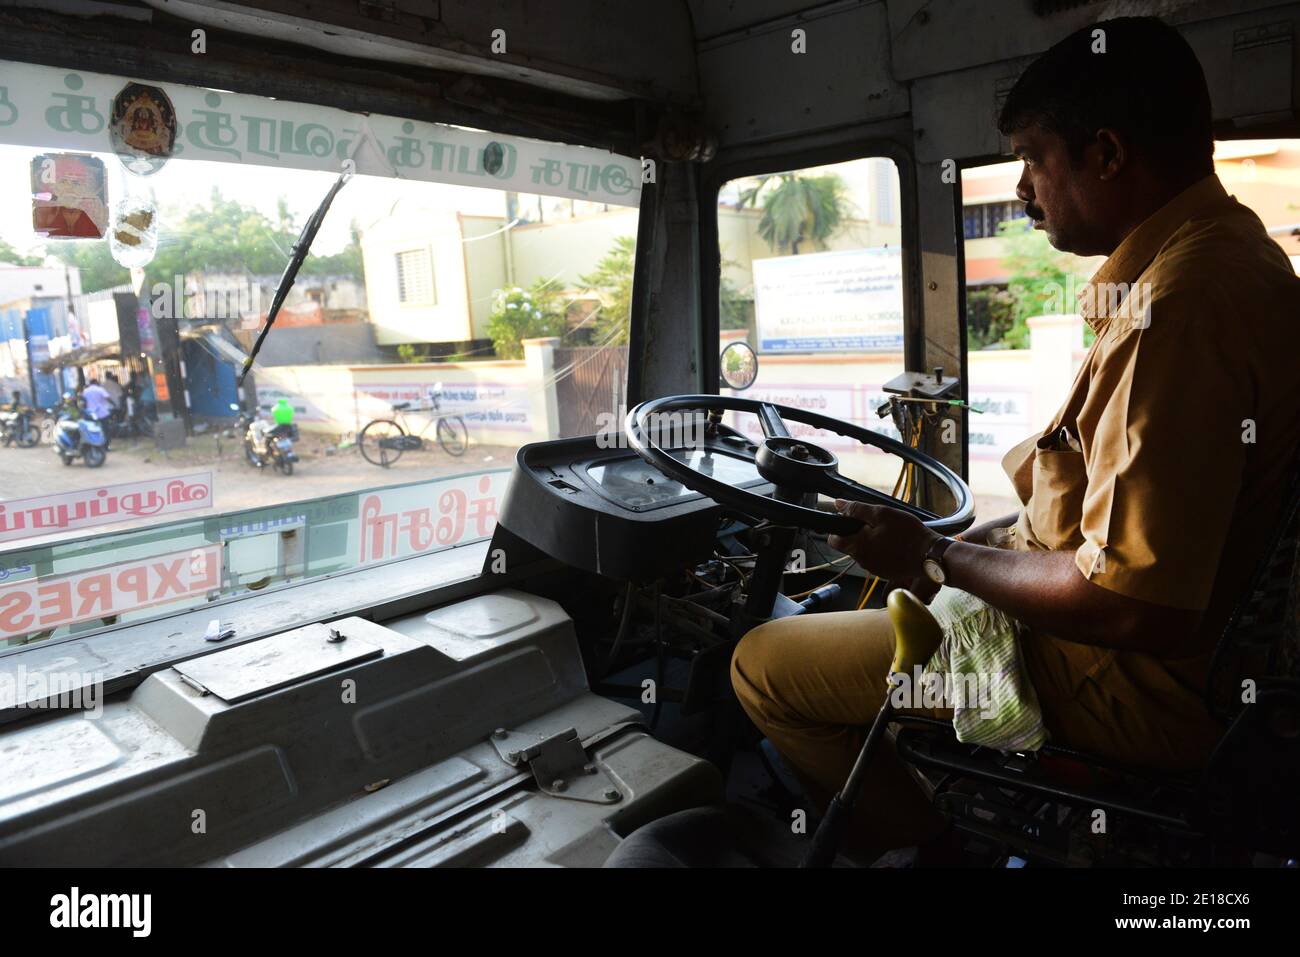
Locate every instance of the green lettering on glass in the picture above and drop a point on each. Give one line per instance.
(468, 161)
(310, 139)
(438, 151)
(72, 115)
(580, 177)
(616, 180)
(8, 112)
(547, 172)
(407, 152)
(214, 132)
(257, 126)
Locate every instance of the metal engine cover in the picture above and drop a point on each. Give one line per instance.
(352, 743)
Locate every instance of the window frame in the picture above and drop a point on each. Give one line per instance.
(127, 653)
(787, 159)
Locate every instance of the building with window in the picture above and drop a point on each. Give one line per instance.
(1262, 174)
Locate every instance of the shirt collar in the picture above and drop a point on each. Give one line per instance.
(1135, 253)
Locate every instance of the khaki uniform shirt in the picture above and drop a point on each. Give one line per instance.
(1167, 465)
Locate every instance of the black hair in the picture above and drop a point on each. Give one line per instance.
(1147, 85)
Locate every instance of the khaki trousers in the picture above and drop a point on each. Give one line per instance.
(813, 683)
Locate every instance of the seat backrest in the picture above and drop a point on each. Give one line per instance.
(1248, 791)
(1261, 640)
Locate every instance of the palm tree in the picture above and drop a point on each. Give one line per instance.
(798, 209)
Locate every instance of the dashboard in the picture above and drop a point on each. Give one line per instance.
(634, 484)
(607, 511)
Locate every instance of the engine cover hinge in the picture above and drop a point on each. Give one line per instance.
(559, 764)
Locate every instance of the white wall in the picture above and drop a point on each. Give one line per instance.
(569, 249)
(503, 402)
(449, 318)
(485, 265)
(23, 282)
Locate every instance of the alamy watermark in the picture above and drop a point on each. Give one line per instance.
(956, 690)
(52, 690)
(231, 297)
(1127, 303)
(678, 430)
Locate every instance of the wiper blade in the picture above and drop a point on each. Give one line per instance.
(298, 257)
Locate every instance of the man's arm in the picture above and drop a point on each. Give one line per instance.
(1046, 591)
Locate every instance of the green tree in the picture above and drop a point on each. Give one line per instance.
(93, 260)
(1040, 280)
(519, 314)
(10, 255)
(611, 281)
(222, 235)
(798, 209)
(735, 310)
(990, 315)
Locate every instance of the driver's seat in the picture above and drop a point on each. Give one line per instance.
(1245, 798)
(695, 837)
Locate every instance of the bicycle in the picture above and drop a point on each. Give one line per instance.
(383, 441)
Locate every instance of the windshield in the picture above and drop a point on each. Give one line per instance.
(465, 294)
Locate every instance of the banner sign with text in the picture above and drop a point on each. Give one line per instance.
(1002, 424)
(40, 604)
(103, 505)
(488, 405)
(404, 521)
(845, 301)
(51, 108)
(836, 401)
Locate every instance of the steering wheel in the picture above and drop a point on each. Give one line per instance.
(794, 466)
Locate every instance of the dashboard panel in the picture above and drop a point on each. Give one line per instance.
(607, 511)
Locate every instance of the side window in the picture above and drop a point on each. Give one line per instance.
(1025, 337)
(812, 279)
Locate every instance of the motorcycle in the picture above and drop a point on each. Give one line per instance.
(17, 428)
(80, 438)
(129, 419)
(267, 441)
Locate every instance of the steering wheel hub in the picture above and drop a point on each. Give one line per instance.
(790, 462)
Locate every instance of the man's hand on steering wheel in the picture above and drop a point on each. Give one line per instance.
(891, 545)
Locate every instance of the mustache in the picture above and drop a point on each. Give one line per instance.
(1034, 212)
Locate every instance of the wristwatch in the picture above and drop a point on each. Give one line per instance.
(933, 563)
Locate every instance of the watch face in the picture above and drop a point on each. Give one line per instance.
(933, 571)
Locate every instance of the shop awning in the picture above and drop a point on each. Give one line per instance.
(218, 340)
(83, 356)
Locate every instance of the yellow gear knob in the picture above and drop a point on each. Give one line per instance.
(916, 633)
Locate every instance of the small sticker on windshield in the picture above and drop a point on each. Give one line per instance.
(69, 196)
(143, 128)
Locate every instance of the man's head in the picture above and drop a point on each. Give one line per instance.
(1111, 123)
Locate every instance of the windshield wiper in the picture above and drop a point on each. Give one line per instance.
(299, 256)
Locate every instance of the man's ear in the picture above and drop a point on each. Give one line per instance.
(1112, 153)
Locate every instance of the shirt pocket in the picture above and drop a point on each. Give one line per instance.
(1056, 507)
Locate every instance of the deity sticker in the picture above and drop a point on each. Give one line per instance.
(69, 196)
(143, 128)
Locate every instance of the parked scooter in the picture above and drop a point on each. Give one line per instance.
(269, 440)
(17, 427)
(78, 435)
